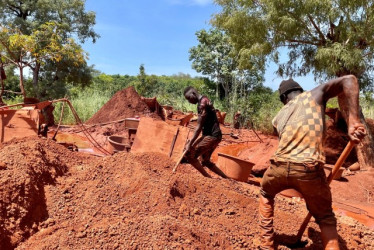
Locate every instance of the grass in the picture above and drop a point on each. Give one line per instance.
(86, 103)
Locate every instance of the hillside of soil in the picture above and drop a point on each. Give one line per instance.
(52, 198)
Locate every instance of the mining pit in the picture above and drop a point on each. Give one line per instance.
(78, 187)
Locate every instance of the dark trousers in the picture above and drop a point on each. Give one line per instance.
(204, 147)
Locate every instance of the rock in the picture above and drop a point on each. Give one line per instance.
(2, 165)
(259, 169)
(354, 167)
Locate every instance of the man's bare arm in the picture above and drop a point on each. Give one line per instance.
(346, 88)
(199, 127)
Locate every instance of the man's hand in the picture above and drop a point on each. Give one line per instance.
(356, 131)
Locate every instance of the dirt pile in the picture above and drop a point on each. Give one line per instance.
(335, 141)
(125, 103)
(27, 166)
(134, 201)
(260, 155)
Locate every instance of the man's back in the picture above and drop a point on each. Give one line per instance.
(300, 126)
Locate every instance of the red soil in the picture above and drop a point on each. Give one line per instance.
(125, 103)
(56, 199)
(51, 198)
(29, 165)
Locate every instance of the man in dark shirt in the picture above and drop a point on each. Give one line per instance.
(207, 122)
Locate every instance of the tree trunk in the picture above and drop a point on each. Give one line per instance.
(35, 79)
(365, 150)
(21, 86)
(2, 92)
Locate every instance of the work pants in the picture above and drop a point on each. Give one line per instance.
(311, 182)
(204, 147)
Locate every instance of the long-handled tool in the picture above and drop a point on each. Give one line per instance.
(183, 154)
(179, 161)
(173, 142)
(331, 176)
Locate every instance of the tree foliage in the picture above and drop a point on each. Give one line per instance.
(30, 15)
(40, 19)
(325, 37)
(213, 57)
(43, 45)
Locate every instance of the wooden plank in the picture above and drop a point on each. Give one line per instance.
(18, 124)
(157, 136)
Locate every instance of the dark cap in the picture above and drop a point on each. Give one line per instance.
(289, 85)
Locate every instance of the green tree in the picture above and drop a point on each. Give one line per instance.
(327, 38)
(324, 37)
(213, 57)
(43, 45)
(29, 16)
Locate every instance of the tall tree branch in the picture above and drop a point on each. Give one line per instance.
(321, 35)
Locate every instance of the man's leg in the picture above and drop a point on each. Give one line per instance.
(196, 164)
(214, 168)
(207, 146)
(317, 195)
(329, 236)
(266, 214)
(192, 156)
(273, 181)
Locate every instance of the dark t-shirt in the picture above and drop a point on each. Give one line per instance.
(211, 124)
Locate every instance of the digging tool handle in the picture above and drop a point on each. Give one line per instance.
(335, 169)
(173, 142)
(179, 161)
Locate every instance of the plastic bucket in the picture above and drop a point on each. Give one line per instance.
(117, 143)
(234, 167)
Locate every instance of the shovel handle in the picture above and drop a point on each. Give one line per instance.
(179, 161)
(347, 150)
(331, 176)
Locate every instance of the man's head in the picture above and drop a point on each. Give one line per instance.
(286, 87)
(191, 94)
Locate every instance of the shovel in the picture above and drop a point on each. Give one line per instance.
(180, 159)
(331, 176)
(183, 154)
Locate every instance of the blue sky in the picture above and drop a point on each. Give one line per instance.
(156, 33)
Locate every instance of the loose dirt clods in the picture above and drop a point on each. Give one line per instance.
(134, 201)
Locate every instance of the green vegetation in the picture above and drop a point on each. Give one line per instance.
(257, 106)
(38, 35)
(326, 38)
(86, 103)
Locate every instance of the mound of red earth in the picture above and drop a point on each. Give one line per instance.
(56, 199)
(28, 165)
(125, 103)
